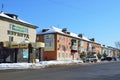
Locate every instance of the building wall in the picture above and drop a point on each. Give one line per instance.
(7, 31)
(97, 47)
(62, 49)
(48, 54)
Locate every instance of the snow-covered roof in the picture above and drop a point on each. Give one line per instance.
(58, 30)
(85, 38)
(2, 14)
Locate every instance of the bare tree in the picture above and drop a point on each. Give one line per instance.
(117, 44)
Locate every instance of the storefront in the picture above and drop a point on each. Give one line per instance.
(13, 32)
(13, 52)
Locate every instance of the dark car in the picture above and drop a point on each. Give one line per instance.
(107, 59)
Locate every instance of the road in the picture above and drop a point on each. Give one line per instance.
(104, 71)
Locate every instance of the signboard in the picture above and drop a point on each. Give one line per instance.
(5, 44)
(49, 40)
(23, 45)
(18, 28)
(40, 44)
(14, 45)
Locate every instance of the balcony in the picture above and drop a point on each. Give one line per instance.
(74, 48)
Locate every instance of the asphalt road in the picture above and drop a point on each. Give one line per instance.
(104, 71)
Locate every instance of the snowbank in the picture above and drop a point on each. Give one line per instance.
(41, 64)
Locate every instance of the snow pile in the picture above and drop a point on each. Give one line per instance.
(41, 64)
(60, 62)
(18, 65)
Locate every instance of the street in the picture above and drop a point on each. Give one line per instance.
(103, 71)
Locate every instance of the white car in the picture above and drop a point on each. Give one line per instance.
(90, 59)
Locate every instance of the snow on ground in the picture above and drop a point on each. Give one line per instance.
(42, 64)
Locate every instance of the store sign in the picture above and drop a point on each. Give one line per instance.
(19, 28)
(23, 45)
(5, 44)
(40, 44)
(14, 45)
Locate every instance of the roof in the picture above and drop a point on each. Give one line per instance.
(58, 30)
(9, 17)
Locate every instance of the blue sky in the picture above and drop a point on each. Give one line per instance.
(93, 18)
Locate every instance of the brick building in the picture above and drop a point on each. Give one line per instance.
(61, 44)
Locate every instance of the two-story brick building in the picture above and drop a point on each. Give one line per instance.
(61, 44)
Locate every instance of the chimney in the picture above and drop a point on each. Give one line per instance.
(80, 35)
(64, 30)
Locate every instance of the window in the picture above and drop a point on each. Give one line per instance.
(8, 32)
(63, 38)
(66, 55)
(37, 39)
(66, 47)
(10, 27)
(66, 39)
(63, 48)
(63, 55)
(59, 38)
(10, 39)
(59, 54)
(74, 42)
(81, 43)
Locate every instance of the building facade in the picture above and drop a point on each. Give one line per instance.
(63, 45)
(15, 33)
(59, 45)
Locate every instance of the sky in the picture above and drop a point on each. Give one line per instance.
(99, 19)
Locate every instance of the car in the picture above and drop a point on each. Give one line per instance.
(116, 58)
(106, 59)
(90, 59)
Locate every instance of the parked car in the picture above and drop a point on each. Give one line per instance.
(116, 58)
(106, 59)
(90, 59)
